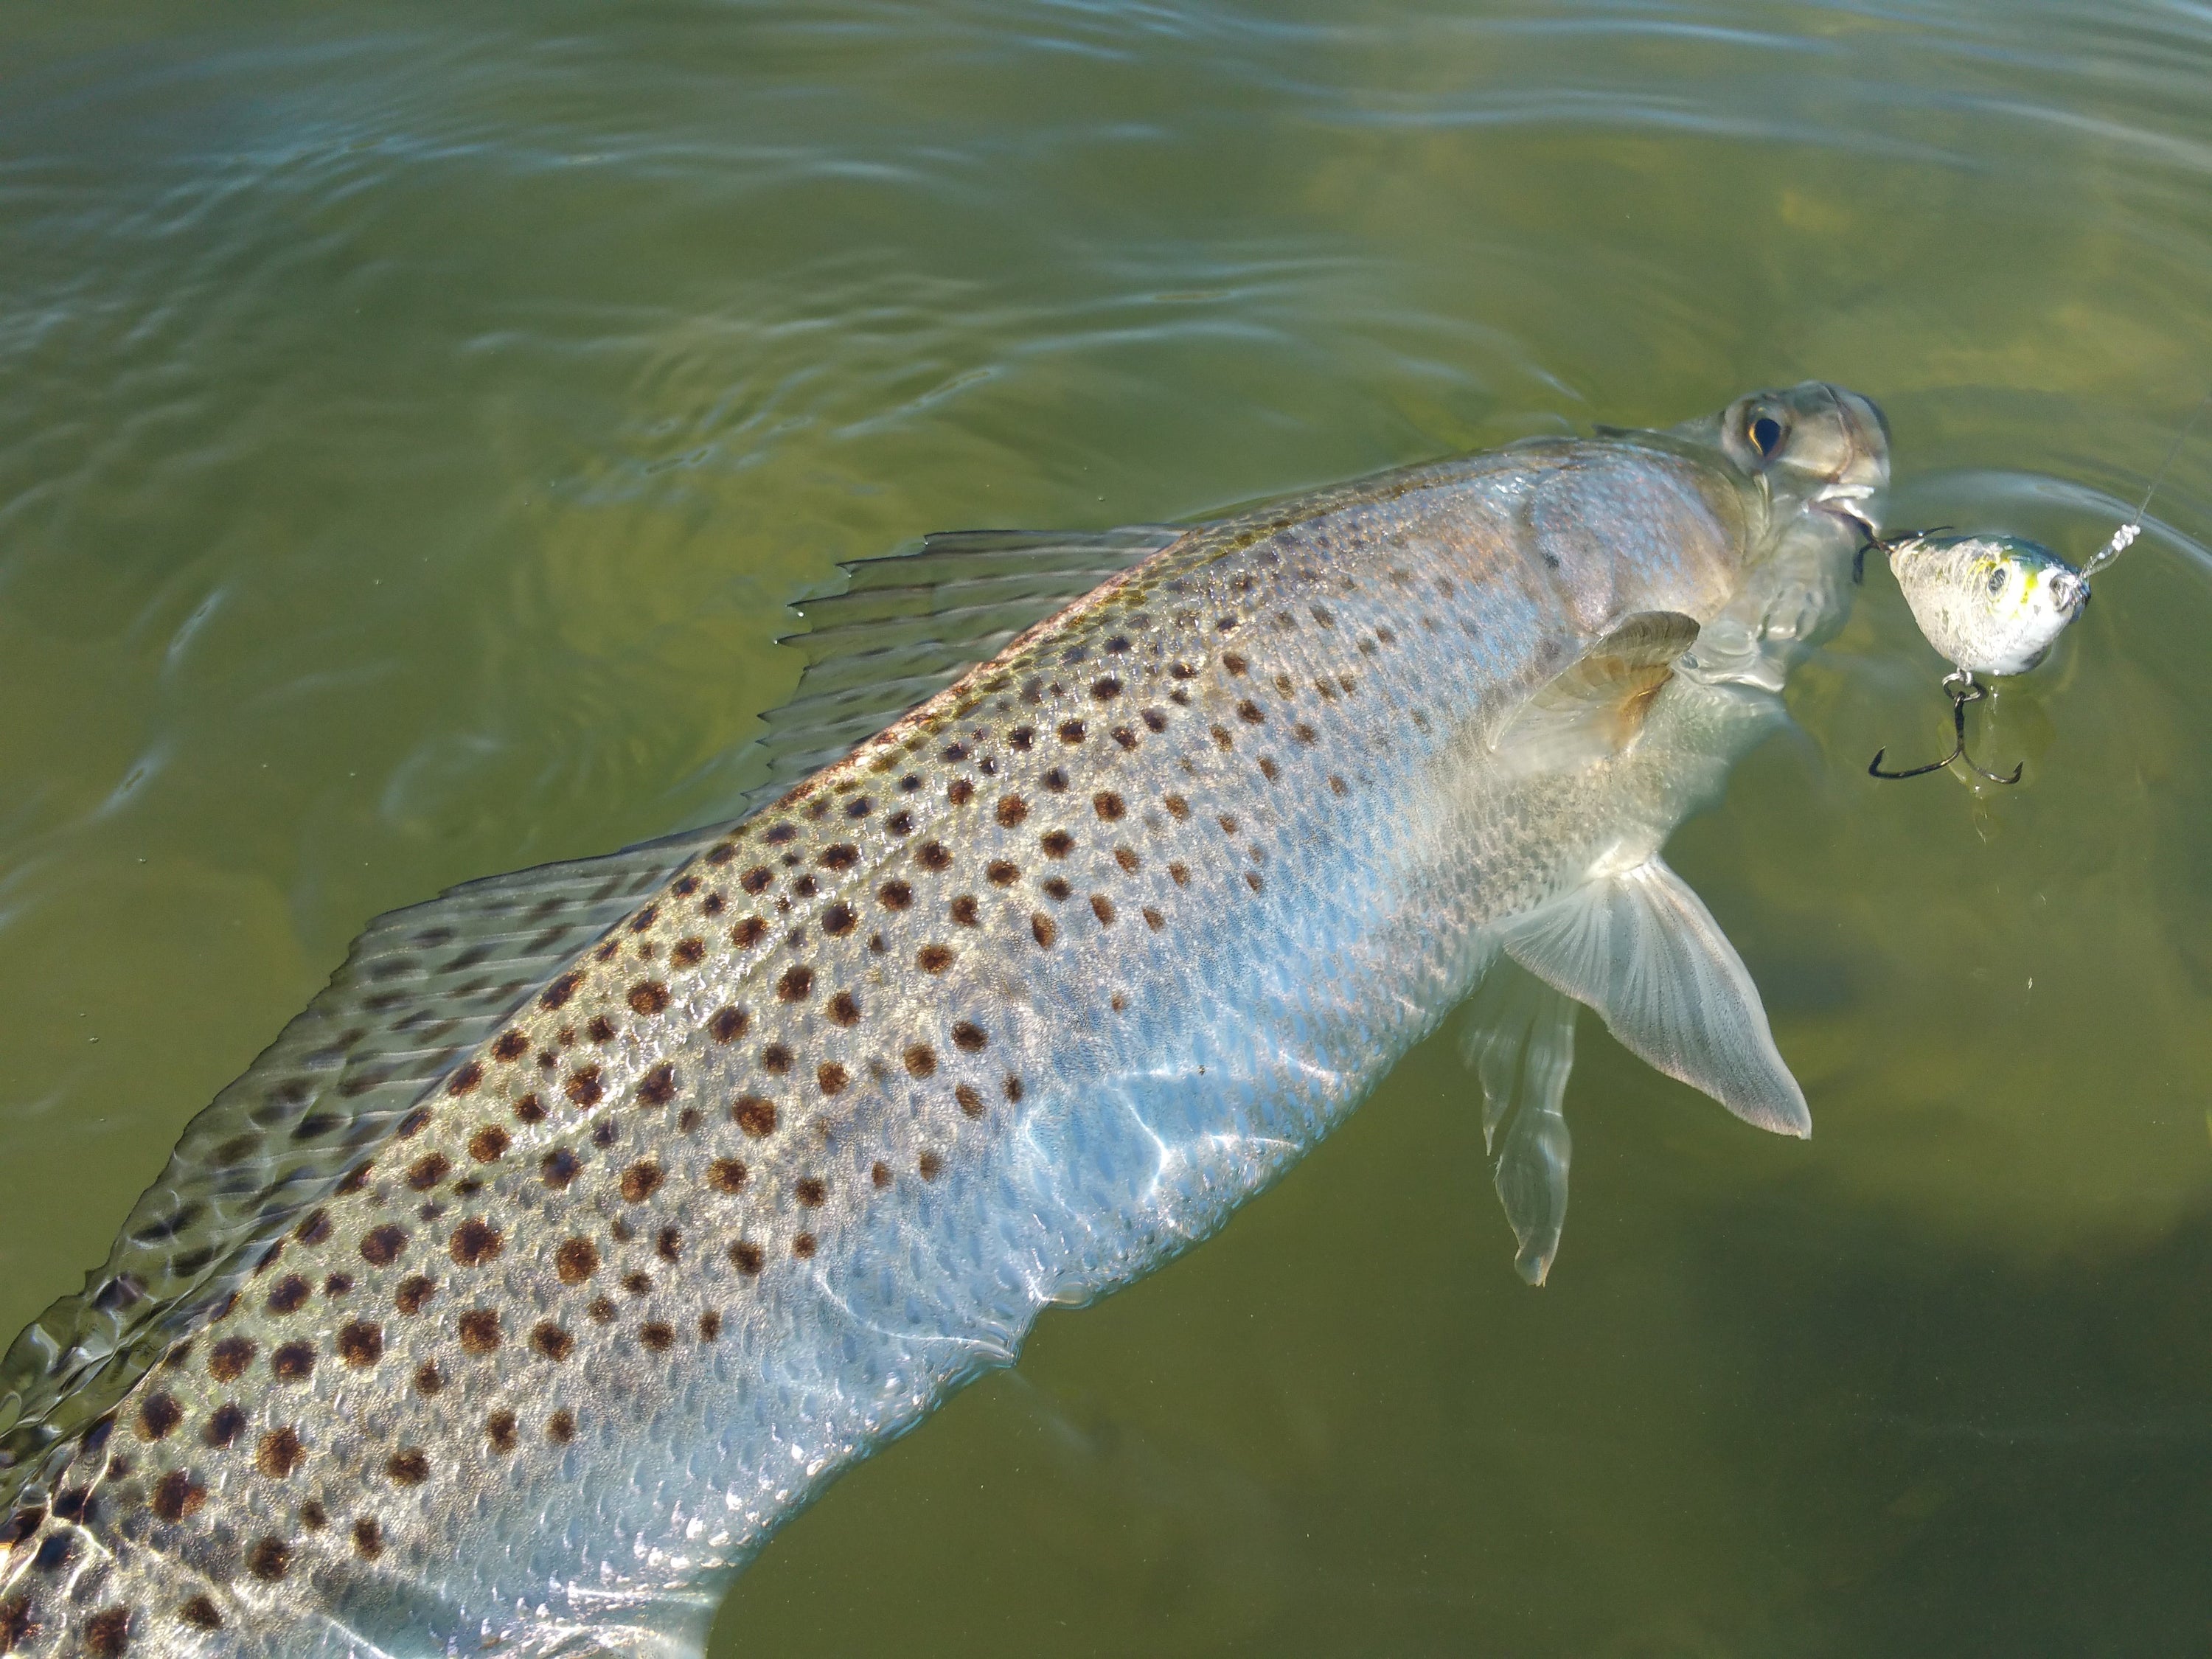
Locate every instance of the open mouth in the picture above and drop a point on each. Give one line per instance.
(1847, 502)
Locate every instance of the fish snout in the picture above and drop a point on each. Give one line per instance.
(1812, 447)
(1858, 461)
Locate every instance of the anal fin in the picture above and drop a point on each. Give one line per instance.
(1520, 1039)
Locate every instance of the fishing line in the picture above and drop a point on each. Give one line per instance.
(2127, 532)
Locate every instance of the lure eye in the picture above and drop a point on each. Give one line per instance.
(1765, 435)
(1996, 582)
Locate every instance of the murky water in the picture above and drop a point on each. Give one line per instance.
(412, 418)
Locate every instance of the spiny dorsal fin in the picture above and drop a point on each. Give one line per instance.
(424, 985)
(420, 987)
(1597, 705)
(906, 627)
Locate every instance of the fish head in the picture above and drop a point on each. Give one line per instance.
(1992, 605)
(1807, 466)
(1812, 448)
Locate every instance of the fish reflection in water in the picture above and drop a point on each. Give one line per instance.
(596, 1216)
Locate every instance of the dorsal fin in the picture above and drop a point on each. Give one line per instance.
(424, 985)
(419, 987)
(1596, 706)
(906, 627)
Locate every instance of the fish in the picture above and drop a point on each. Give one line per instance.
(596, 1216)
(1991, 605)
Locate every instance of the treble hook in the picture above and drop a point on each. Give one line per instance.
(1964, 689)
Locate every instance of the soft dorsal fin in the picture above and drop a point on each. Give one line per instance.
(906, 627)
(422, 985)
(1596, 706)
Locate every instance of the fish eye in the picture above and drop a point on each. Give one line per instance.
(1765, 435)
(1998, 581)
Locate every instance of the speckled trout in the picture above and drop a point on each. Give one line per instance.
(595, 1218)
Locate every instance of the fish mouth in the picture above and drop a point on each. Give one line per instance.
(1847, 503)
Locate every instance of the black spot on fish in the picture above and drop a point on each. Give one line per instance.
(279, 1453)
(575, 1260)
(107, 1633)
(475, 1242)
(177, 1496)
(361, 1344)
(158, 1413)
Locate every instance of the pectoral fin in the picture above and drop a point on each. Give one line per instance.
(1597, 706)
(1520, 1038)
(1641, 948)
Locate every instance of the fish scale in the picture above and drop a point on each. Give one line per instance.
(1003, 1010)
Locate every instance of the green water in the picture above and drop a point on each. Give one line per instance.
(413, 418)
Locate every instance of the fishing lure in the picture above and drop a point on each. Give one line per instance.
(1995, 605)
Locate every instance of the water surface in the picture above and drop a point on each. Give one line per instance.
(413, 418)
